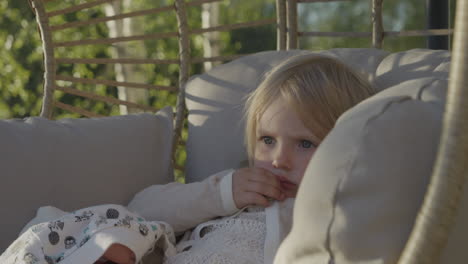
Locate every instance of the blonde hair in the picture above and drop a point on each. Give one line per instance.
(319, 88)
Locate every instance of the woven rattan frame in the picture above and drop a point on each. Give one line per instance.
(439, 210)
(184, 55)
(49, 61)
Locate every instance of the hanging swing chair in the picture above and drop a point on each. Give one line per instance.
(374, 199)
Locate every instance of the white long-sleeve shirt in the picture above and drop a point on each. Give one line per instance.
(200, 204)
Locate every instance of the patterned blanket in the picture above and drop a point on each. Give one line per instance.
(84, 235)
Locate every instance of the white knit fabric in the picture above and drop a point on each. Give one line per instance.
(238, 240)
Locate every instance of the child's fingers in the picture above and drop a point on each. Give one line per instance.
(255, 180)
(265, 177)
(254, 198)
(290, 192)
(265, 190)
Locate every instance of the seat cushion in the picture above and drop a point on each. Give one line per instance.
(76, 163)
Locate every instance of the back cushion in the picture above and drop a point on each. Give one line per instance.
(412, 64)
(215, 101)
(75, 163)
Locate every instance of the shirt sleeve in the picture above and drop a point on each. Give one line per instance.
(184, 206)
(226, 193)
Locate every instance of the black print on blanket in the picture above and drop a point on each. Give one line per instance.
(124, 222)
(143, 229)
(54, 236)
(54, 241)
(69, 242)
(86, 215)
(112, 213)
(30, 258)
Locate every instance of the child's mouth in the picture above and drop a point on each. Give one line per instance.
(286, 184)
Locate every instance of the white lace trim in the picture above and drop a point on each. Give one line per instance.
(236, 240)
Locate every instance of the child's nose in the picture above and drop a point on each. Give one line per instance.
(282, 159)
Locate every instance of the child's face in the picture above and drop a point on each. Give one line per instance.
(283, 144)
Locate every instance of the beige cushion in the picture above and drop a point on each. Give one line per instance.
(75, 163)
(365, 183)
(412, 64)
(215, 102)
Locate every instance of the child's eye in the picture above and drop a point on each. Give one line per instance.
(306, 144)
(267, 140)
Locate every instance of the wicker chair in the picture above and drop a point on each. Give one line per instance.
(441, 200)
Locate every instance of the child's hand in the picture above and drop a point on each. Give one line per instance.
(255, 186)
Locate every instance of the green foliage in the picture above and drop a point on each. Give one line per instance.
(22, 75)
(83, 51)
(21, 61)
(354, 16)
(248, 40)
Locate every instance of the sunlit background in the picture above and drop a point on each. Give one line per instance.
(21, 76)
